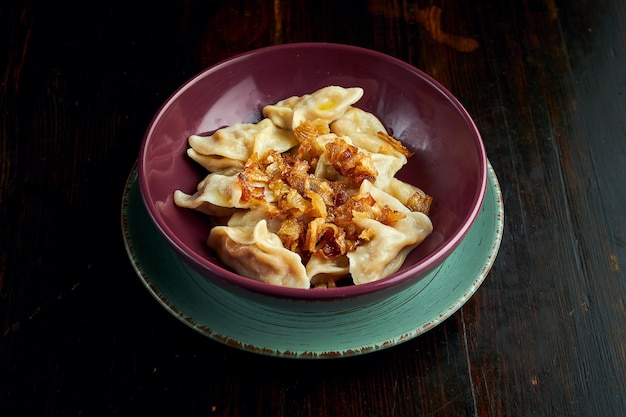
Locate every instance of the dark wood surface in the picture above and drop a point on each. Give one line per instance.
(545, 335)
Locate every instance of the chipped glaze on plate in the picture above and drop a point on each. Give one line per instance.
(298, 329)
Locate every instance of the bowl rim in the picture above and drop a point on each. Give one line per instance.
(227, 276)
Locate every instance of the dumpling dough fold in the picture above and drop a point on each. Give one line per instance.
(239, 141)
(328, 103)
(256, 253)
(385, 253)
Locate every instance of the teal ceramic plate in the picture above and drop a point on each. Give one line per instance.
(305, 330)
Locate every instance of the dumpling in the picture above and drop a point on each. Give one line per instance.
(384, 165)
(256, 253)
(328, 103)
(233, 142)
(239, 141)
(220, 189)
(388, 247)
(363, 127)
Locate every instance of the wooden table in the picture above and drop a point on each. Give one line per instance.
(545, 335)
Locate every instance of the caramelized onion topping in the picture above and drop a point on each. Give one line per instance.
(317, 214)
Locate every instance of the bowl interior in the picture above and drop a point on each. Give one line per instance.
(449, 161)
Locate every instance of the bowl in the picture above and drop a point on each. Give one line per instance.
(449, 161)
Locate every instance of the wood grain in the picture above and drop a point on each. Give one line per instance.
(545, 82)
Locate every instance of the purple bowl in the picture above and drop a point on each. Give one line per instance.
(449, 162)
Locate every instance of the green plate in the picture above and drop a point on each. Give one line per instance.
(291, 329)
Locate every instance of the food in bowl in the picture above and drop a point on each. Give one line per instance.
(307, 197)
(449, 160)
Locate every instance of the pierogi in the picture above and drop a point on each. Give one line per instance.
(307, 197)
